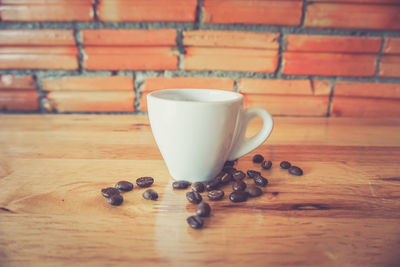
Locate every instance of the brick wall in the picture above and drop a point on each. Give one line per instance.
(292, 57)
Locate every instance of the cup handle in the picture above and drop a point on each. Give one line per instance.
(246, 145)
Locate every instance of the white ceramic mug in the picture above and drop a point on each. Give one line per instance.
(197, 130)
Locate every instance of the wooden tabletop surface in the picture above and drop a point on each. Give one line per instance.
(344, 210)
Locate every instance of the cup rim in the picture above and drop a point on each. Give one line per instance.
(236, 96)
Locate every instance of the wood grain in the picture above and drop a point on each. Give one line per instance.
(344, 211)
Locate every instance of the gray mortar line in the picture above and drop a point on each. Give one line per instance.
(81, 52)
(94, 6)
(139, 79)
(39, 89)
(379, 56)
(198, 23)
(279, 68)
(329, 111)
(181, 49)
(236, 85)
(303, 13)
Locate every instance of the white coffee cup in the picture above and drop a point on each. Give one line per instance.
(197, 130)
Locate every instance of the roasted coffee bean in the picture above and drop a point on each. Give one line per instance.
(195, 222)
(198, 187)
(115, 200)
(224, 178)
(258, 158)
(212, 184)
(285, 164)
(215, 195)
(150, 194)
(252, 173)
(124, 186)
(109, 191)
(295, 171)
(229, 170)
(144, 181)
(266, 165)
(238, 175)
(239, 186)
(203, 209)
(260, 181)
(229, 163)
(180, 184)
(238, 196)
(253, 191)
(194, 197)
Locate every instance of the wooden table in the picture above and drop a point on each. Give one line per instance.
(344, 211)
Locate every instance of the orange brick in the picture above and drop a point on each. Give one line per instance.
(141, 10)
(365, 107)
(159, 83)
(50, 10)
(392, 46)
(112, 83)
(9, 82)
(348, 15)
(18, 93)
(285, 87)
(37, 37)
(272, 12)
(367, 89)
(206, 38)
(390, 66)
(361, 1)
(230, 59)
(329, 64)
(324, 43)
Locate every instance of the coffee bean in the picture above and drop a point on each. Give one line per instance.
(195, 222)
(215, 195)
(109, 192)
(238, 175)
(229, 170)
(229, 163)
(203, 209)
(144, 181)
(258, 158)
(194, 197)
(150, 194)
(198, 187)
(238, 196)
(180, 184)
(260, 181)
(115, 200)
(285, 164)
(266, 165)
(124, 186)
(253, 191)
(252, 173)
(212, 184)
(239, 186)
(224, 178)
(295, 171)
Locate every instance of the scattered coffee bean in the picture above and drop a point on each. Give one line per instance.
(194, 197)
(238, 175)
(203, 209)
(253, 191)
(258, 158)
(238, 196)
(195, 222)
(229, 170)
(229, 163)
(266, 165)
(215, 195)
(150, 194)
(144, 181)
(212, 184)
(295, 171)
(285, 164)
(109, 192)
(124, 186)
(224, 178)
(180, 184)
(252, 173)
(115, 200)
(198, 187)
(260, 181)
(239, 186)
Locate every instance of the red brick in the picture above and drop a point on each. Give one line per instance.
(111, 83)
(142, 10)
(9, 82)
(18, 93)
(390, 66)
(324, 43)
(367, 89)
(285, 87)
(358, 16)
(361, 1)
(329, 64)
(37, 37)
(236, 39)
(392, 46)
(159, 83)
(50, 10)
(365, 107)
(272, 12)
